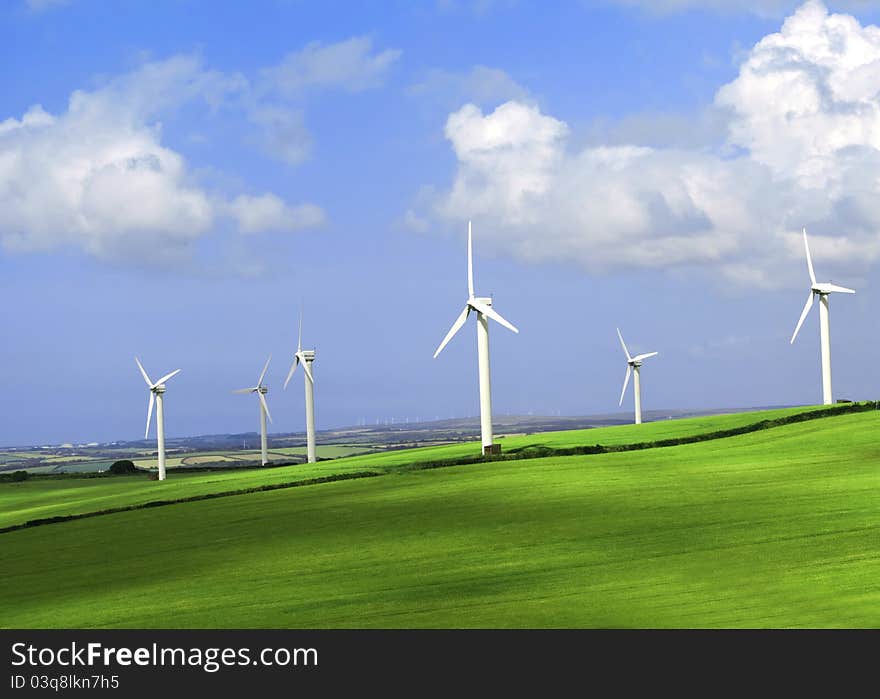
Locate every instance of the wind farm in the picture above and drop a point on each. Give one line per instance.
(196, 204)
(663, 464)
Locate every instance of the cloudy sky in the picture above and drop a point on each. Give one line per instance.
(178, 176)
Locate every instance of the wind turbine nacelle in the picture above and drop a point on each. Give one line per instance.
(158, 389)
(263, 389)
(308, 355)
(485, 300)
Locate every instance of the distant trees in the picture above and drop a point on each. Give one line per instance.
(15, 476)
(123, 466)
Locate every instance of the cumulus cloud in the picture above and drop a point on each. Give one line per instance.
(350, 65)
(801, 148)
(98, 177)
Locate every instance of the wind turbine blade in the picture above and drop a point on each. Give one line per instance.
(491, 313)
(308, 372)
(263, 373)
(625, 383)
(299, 340)
(265, 405)
(640, 357)
(149, 414)
(470, 263)
(244, 390)
(841, 289)
(144, 372)
(809, 259)
(456, 326)
(292, 369)
(165, 378)
(806, 310)
(623, 344)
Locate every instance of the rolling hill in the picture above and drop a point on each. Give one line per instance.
(777, 527)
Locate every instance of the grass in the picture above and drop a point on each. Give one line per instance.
(326, 451)
(777, 528)
(21, 502)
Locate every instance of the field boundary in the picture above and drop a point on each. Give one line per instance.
(540, 451)
(193, 498)
(531, 451)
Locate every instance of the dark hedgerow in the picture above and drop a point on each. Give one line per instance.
(123, 466)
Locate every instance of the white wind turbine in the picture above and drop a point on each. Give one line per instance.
(633, 366)
(483, 306)
(306, 357)
(821, 290)
(157, 393)
(261, 392)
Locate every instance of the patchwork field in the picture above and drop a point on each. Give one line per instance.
(774, 528)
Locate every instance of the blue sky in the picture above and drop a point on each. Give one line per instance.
(176, 176)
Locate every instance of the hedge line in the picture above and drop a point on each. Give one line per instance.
(192, 498)
(532, 451)
(540, 451)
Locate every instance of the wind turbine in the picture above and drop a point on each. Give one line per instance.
(483, 307)
(306, 357)
(261, 391)
(157, 396)
(633, 366)
(821, 290)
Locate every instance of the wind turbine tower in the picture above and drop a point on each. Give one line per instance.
(822, 290)
(633, 366)
(306, 358)
(261, 392)
(157, 397)
(483, 307)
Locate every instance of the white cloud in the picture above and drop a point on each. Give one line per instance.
(283, 132)
(803, 126)
(267, 212)
(761, 8)
(481, 85)
(97, 176)
(275, 103)
(349, 65)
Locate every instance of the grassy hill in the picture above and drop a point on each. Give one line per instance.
(40, 499)
(778, 527)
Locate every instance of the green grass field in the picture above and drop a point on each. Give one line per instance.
(775, 528)
(20, 502)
